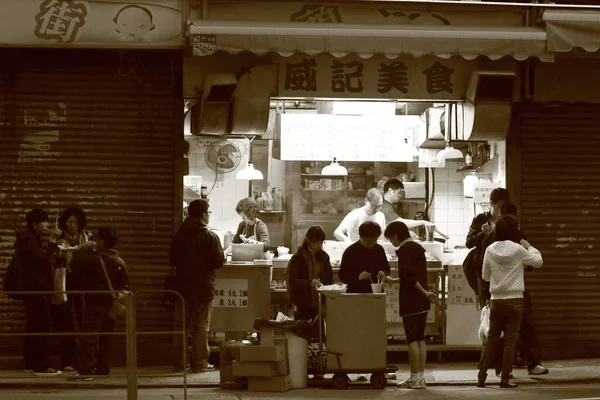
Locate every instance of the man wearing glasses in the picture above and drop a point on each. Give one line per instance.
(347, 231)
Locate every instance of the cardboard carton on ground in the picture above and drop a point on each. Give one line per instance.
(274, 384)
(268, 334)
(254, 369)
(262, 353)
(282, 367)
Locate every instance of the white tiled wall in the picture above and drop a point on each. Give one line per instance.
(227, 190)
(450, 210)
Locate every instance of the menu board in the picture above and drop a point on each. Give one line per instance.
(459, 291)
(322, 137)
(231, 293)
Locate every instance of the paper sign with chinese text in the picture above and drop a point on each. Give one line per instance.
(231, 293)
(481, 192)
(92, 23)
(459, 291)
(375, 77)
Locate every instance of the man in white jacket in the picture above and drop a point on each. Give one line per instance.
(503, 266)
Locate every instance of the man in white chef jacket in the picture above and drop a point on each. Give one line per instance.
(347, 231)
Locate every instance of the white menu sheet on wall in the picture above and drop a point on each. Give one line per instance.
(321, 137)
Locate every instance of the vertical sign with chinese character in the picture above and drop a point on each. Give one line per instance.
(459, 291)
(230, 293)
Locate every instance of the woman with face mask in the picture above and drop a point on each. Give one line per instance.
(73, 238)
(251, 229)
(36, 263)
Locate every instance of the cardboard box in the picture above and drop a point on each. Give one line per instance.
(254, 369)
(262, 353)
(282, 367)
(274, 384)
(267, 335)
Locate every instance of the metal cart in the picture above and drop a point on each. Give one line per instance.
(356, 337)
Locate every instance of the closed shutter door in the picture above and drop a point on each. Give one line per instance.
(95, 130)
(560, 214)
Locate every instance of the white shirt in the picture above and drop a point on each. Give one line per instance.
(355, 218)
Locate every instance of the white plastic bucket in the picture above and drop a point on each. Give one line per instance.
(297, 356)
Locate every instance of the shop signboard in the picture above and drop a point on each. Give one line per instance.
(406, 77)
(482, 191)
(92, 23)
(231, 293)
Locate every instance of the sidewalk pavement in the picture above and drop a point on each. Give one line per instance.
(443, 374)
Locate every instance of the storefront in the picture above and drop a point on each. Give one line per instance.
(298, 71)
(96, 128)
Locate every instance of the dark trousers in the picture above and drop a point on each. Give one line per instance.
(37, 320)
(95, 349)
(62, 321)
(197, 325)
(527, 343)
(505, 316)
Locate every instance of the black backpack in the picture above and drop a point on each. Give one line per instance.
(12, 279)
(472, 268)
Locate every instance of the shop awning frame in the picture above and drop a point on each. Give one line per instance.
(287, 38)
(571, 29)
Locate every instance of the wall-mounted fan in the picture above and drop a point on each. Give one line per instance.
(223, 157)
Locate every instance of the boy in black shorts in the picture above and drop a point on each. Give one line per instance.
(414, 299)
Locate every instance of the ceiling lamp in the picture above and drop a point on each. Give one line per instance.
(450, 153)
(249, 173)
(468, 185)
(334, 169)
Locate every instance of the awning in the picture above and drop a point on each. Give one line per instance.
(568, 30)
(366, 40)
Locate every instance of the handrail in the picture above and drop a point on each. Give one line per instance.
(130, 333)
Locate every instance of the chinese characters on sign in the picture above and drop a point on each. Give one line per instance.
(230, 293)
(459, 291)
(317, 13)
(41, 133)
(376, 77)
(481, 192)
(60, 20)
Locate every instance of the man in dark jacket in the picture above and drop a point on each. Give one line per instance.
(414, 299)
(196, 253)
(36, 264)
(89, 275)
(364, 261)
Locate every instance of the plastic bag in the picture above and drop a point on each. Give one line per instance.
(59, 279)
(484, 324)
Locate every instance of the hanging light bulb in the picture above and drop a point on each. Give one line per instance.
(249, 173)
(334, 169)
(468, 185)
(450, 153)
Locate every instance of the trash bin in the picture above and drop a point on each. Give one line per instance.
(297, 334)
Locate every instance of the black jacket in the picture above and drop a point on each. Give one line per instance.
(299, 277)
(412, 268)
(196, 253)
(476, 235)
(88, 273)
(36, 263)
(356, 259)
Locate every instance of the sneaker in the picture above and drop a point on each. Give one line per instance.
(206, 368)
(391, 375)
(68, 368)
(423, 383)
(499, 375)
(538, 370)
(508, 384)
(47, 372)
(362, 378)
(410, 383)
(80, 378)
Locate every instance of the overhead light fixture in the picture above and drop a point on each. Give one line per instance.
(249, 173)
(334, 169)
(468, 185)
(450, 153)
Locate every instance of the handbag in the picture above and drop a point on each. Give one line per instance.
(59, 278)
(116, 308)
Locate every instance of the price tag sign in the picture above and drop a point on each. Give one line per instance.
(231, 293)
(481, 192)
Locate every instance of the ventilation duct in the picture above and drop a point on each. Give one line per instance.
(212, 116)
(487, 109)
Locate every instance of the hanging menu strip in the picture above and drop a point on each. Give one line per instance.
(321, 137)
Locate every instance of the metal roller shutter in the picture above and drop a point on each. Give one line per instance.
(94, 129)
(560, 213)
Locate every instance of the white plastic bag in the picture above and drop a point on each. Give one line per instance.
(484, 324)
(59, 278)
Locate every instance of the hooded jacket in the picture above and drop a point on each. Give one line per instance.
(503, 266)
(412, 268)
(301, 274)
(36, 263)
(196, 253)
